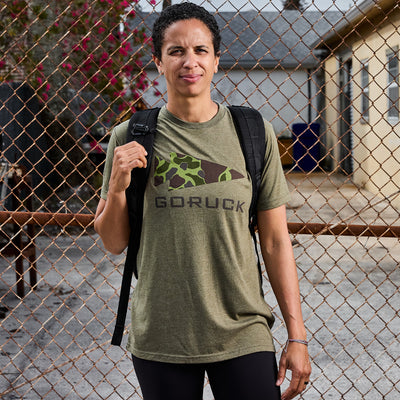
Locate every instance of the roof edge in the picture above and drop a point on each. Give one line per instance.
(366, 10)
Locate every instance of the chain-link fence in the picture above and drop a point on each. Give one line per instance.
(325, 75)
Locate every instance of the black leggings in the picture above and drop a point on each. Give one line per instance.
(250, 377)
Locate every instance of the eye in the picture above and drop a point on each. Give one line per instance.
(175, 52)
(202, 50)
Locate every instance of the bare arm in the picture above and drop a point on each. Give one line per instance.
(279, 260)
(111, 219)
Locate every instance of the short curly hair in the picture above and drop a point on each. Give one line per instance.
(179, 12)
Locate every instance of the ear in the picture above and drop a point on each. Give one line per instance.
(158, 65)
(217, 58)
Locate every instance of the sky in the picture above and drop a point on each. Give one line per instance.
(263, 5)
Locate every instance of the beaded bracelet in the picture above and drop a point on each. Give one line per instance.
(295, 341)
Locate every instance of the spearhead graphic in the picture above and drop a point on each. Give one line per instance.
(183, 171)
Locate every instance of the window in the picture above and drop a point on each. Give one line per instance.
(364, 90)
(393, 84)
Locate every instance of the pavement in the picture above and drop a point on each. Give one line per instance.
(55, 342)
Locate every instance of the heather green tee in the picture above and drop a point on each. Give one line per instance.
(198, 297)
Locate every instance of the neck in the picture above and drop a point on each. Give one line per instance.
(191, 110)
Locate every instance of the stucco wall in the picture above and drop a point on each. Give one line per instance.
(376, 141)
(377, 150)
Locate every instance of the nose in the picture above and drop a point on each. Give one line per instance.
(190, 60)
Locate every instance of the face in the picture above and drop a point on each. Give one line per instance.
(187, 60)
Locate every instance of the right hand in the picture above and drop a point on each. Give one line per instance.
(126, 157)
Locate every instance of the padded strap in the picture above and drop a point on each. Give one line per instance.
(250, 128)
(142, 127)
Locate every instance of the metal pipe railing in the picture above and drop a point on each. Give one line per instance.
(305, 228)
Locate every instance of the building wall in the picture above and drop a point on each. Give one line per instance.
(376, 140)
(281, 96)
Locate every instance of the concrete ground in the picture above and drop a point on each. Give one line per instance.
(54, 343)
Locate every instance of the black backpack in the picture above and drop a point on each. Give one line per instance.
(142, 126)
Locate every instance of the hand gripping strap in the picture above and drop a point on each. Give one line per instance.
(142, 127)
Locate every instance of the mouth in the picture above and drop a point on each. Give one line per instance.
(191, 78)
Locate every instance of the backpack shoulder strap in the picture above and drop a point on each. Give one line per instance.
(141, 128)
(250, 128)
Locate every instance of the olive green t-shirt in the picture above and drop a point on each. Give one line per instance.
(198, 296)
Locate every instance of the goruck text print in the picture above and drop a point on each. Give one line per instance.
(184, 171)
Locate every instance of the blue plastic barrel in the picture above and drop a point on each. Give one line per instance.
(306, 149)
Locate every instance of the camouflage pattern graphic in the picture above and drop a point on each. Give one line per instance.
(183, 171)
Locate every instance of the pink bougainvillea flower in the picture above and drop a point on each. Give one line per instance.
(87, 65)
(94, 61)
(85, 42)
(121, 93)
(67, 66)
(96, 147)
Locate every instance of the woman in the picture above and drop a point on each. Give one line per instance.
(197, 305)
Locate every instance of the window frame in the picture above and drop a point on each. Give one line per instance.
(364, 84)
(392, 55)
